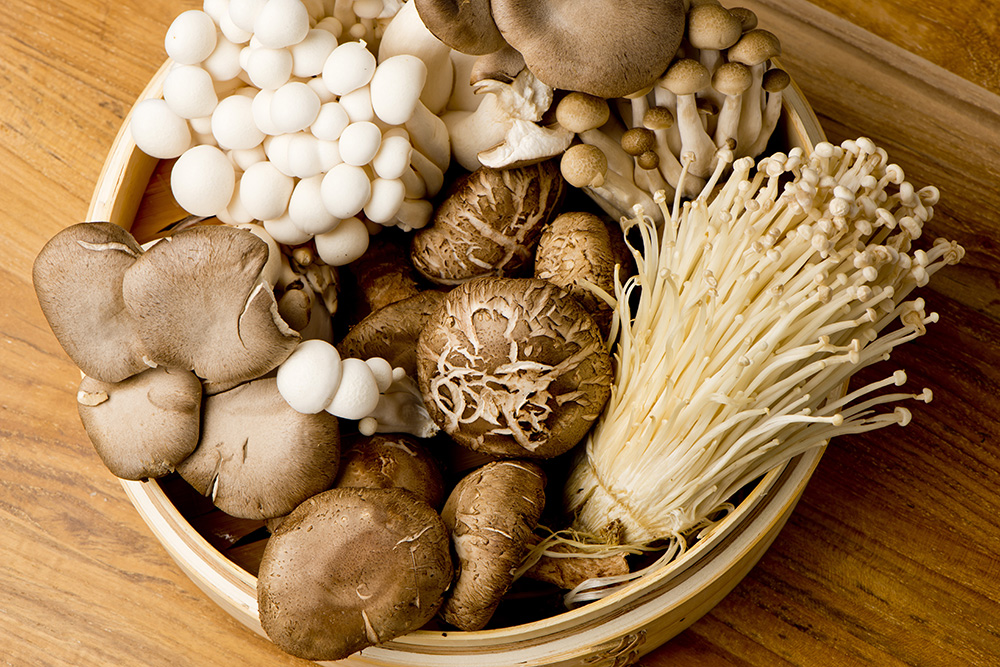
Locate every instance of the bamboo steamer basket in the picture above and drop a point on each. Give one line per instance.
(221, 554)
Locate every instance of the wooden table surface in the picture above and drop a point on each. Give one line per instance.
(893, 554)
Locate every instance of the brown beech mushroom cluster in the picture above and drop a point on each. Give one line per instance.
(513, 367)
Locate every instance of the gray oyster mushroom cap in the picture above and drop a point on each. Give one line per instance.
(199, 302)
(257, 457)
(491, 513)
(78, 277)
(145, 425)
(350, 568)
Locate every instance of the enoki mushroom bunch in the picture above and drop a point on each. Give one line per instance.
(747, 317)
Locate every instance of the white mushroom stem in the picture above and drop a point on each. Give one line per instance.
(666, 99)
(751, 113)
(400, 410)
(618, 160)
(769, 121)
(694, 138)
(586, 167)
(728, 126)
(407, 34)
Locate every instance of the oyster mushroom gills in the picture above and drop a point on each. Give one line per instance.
(513, 367)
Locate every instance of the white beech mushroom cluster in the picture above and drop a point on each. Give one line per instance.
(308, 116)
(754, 309)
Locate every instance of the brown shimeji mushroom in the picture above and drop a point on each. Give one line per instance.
(78, 280)
(586, 166)
(351, 568)
(491, 514)
(685, 79)
(513, 367)
(145, 425)
(257, 457)
(754, 49)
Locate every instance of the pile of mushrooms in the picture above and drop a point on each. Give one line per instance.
(389, 322)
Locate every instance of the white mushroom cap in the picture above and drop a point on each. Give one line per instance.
(396, 87)
(189, 92)
(158, 131)
(306, 208)
(346, 190)
(358, 104)
(344, 244)
(348, 67)
(309, 55)
(308, 379)
(233, 124)
(359, 143)
(243, 13)
(393, 156)
(386, 200)
(245, 158)
(265, 191)
(357, 396)
(294, 107)
(382, 370)
(202, 180)
(281, 23)
(330, 121)
(268, 68)
(261, 109)
(284, 231)
(231, 31)
(223, 64)
(191, 37)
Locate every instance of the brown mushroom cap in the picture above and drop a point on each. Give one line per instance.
(491, 514)
(350, 568)
(775, 80)
(747, 17)
(754, 47)
(513, 367)
(391, 332)
(732, 78)
(464, 25)
(386, 461)
(658, 118)
(577, 246)
(591, 46)
(145, 425)
(199, 303)
(489, 224)
(579, 112)
(686, 77)
(78, 280)
(638, 140)
(583, 165)
(503, 65)
(257, 457)
(712, 26)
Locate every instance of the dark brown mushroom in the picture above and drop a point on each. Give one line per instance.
(464, 25)
(386, 461)
(351, 568)
(78, 280)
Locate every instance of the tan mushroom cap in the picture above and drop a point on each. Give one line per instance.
(579, 112)
(775, 80)
(638, 140)
(747, 17)
(257, 457)
(491, 514)
(658, 118)
(464, 25)
(77, 277)
(513, 367)
(199, 303)
(583, 165)
(387, 461)
(686, 77)
(351, 568)
(732, 78)
(591, 46)
(754, 48)
(712, 26)
(145, 425)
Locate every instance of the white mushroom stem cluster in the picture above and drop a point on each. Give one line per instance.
(750, 315)
(280, 111)
(314, 378)
(721, 91)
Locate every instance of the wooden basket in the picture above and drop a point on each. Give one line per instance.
(221, 554)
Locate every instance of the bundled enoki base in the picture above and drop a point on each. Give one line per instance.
(738, 334)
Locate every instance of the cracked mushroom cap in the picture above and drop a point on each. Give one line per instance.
(490, 513)
(145, 425)
(513, 367)
(350, 568)
(386, 461)
(199, 303)
(78, 280)
(593, 46)
(257, 457)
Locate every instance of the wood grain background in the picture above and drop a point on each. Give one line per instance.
(892, 555)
